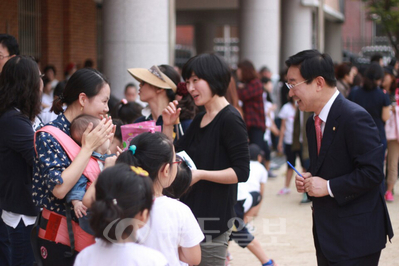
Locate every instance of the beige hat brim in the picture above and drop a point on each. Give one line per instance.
(142, 74)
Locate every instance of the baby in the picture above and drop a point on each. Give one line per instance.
(75, 195)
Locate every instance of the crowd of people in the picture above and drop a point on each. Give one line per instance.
(171, 197)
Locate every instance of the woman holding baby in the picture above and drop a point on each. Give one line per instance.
(57, 167)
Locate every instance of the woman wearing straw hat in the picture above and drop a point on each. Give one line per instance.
(156, 89)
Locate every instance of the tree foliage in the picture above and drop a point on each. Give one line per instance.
(386, 13)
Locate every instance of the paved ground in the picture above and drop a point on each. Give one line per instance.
(284, 228)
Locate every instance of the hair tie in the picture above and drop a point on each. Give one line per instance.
(133, 149)
(61, 97)
(114, 201)
(124, 101)
(182, 89)
(139, 170)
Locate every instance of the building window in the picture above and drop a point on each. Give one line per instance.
(29, 31)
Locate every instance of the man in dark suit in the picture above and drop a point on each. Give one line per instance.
(350, 218)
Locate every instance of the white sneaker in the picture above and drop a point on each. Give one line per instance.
(284, 191)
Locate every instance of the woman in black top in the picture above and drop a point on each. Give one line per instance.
(20, 87)
(373, 99)
(217, 141)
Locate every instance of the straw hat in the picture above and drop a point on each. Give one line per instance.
(153, 76)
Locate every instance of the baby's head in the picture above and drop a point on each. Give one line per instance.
(79, 126)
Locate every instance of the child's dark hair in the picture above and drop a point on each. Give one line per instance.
(79, 125)
(152, 151)
(118, 132)
(181, 183)
(120, 194)
(128, 112)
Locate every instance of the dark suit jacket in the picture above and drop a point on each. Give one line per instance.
(355, 222)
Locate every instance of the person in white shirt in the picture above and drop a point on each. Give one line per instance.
(123, 203)
(287, 115)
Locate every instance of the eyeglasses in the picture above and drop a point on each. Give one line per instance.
(291, 86)
(178, 161)
(4, 56)
(142, 83)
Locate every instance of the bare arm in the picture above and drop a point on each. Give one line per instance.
(386, 113)
(90, 195)
(226, 176)
(192, 255)
(281, 138)
(262, 188)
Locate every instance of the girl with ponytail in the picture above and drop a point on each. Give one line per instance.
(172, 228)
(123, 203)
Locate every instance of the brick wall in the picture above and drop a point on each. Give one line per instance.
(68, 33)
(357, 29)
(80, 31)
(53, 35)
(9, 17)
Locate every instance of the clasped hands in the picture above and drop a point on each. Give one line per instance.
(315, 186)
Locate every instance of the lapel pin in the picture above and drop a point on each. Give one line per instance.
(333, 128)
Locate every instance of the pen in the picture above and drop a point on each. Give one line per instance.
(294, 169)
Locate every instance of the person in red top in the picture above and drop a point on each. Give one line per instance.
(250, 91)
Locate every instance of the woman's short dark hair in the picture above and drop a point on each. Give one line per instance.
(248, 71)
(86, 80)
(20, 86)
(313, 64)
(373, 74)
(211, 68)
(342, 70)
(173, 75)
(153, 151)
(120, 194)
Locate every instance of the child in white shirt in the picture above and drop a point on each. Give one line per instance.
(123, 202)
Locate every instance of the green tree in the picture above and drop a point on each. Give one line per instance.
(386, 13)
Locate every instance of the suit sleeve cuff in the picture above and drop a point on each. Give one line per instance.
(329, 189)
